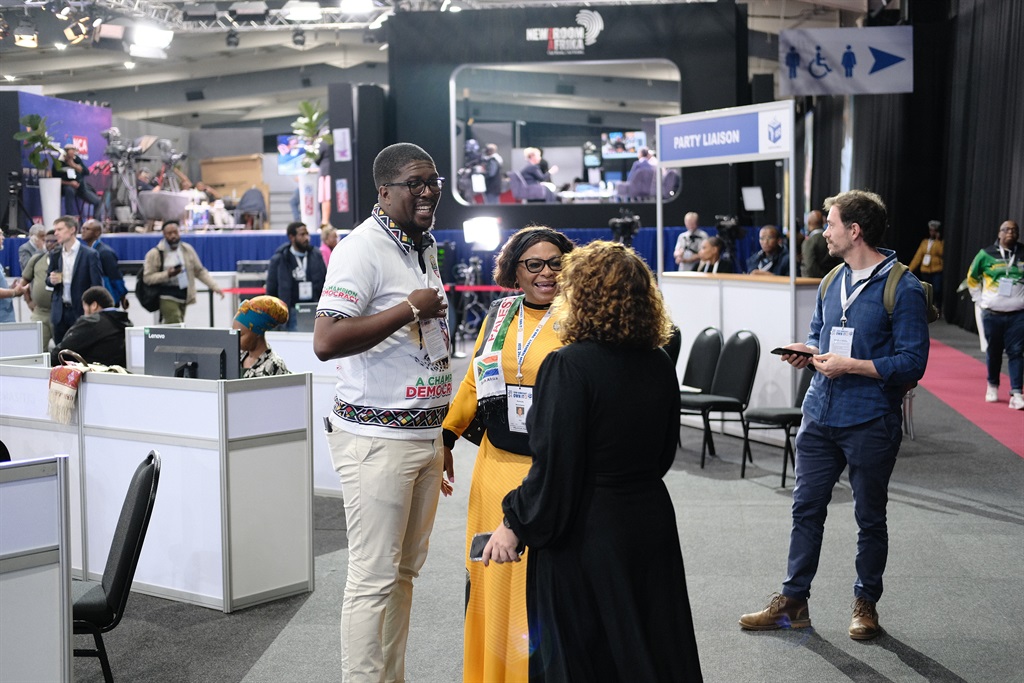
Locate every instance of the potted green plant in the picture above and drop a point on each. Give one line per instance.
(42, 147)
(313, 130)
(42, 150)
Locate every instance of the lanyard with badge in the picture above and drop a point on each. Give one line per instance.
(1006, 282)
(841, 338)
(299, 275)
(520, 398)
(435, 339)
(927, 260)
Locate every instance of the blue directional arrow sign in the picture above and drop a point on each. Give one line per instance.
(883, 59)
(846, 61)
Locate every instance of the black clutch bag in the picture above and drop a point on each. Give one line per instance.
(475, 431)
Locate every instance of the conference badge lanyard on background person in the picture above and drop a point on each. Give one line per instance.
(927, 260)
(841, 339)
(520, 398)
(490, 380)
(1006, 282)
(299, 275)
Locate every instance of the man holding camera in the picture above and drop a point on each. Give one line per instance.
(688, 244)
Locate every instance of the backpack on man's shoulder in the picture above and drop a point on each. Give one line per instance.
(889, 295)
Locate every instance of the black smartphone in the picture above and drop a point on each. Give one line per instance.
(779, 351)
(476, 546)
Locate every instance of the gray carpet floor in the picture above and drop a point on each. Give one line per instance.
(952, 609)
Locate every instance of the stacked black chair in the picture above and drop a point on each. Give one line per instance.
(787, 418)
(701, 363)
(99, 605)
(730, 388)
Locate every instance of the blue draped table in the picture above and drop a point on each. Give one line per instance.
(221, 251)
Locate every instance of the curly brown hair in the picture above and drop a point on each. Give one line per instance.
(608, 294)
(516, 246)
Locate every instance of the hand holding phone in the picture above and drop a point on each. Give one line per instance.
(780, 351)
(477, 545)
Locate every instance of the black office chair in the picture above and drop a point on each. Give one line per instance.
(99, 605)
(701, 363)
(787, 418)
(730, 388)
(251, 210)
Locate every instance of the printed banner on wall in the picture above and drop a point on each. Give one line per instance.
(846, 61)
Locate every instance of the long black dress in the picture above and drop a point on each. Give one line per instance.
(606, 591)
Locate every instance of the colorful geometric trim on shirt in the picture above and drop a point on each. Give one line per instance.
(427, 418)
(396, 233)
(321, 313)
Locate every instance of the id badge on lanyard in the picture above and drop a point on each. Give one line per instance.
(520, 400)
(1006, 282)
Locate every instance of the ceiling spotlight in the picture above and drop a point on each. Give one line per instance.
(10, 78)
(77, 31)
(129, 65)
(26, 35)
(357, 6)
(61, 46)
(231, 39)
(298, 37)
(302, 11)
(151, 36)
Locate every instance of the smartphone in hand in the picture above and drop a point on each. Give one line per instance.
(476, 546)
(779, 351)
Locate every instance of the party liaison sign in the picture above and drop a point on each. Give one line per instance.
(846, 61)
(754, 133)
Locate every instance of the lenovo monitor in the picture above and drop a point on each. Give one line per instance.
(196, 353)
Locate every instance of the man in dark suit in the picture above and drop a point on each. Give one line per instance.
(113, 280)
(73, 269)
(296, 272)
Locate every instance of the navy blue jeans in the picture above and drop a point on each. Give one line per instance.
(822, 453)
(1005, 332)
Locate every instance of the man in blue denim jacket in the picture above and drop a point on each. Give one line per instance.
(865, 362)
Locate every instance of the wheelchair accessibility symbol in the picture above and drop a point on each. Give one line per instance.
(818, 67)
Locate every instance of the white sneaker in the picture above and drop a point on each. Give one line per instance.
(1016, 402)
(991, 394)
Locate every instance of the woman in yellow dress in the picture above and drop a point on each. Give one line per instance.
(497, 390)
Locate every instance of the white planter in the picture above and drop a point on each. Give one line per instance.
(49, 198)
(308, 207)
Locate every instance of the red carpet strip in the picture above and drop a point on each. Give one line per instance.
(958, 380)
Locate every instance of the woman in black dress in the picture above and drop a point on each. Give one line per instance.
(606, 591)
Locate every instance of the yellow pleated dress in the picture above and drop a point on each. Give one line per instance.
(496, 639)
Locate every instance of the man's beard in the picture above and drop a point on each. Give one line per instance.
(174, 244)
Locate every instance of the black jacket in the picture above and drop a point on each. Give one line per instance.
(98, 338)
(280, 282)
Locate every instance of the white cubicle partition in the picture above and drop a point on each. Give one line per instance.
(35, 590)
(233, 521)
(296, 349)
(21, 339)
(764, 305)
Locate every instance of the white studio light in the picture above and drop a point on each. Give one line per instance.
(357, 6)
(301, 11)
(26, 35)
(60, 46)
(483, 233)
(129, 65)
(77, 31)
(146, 51)
(151, 36)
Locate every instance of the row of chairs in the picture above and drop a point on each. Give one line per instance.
(720, 378)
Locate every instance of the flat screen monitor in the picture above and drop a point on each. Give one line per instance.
(622, 145)
(305, 315)
(196, 353)
(290, 151)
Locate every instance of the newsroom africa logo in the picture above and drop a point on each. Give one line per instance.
(570, 40)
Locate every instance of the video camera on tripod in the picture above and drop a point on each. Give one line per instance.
(624, 227)
(729, 230)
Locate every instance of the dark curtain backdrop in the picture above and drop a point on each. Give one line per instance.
(828, 147)
(985, 171)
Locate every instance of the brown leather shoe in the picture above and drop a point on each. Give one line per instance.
(864, 625)
(782, 612)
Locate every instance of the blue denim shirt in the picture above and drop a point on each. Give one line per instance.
(898, 348)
